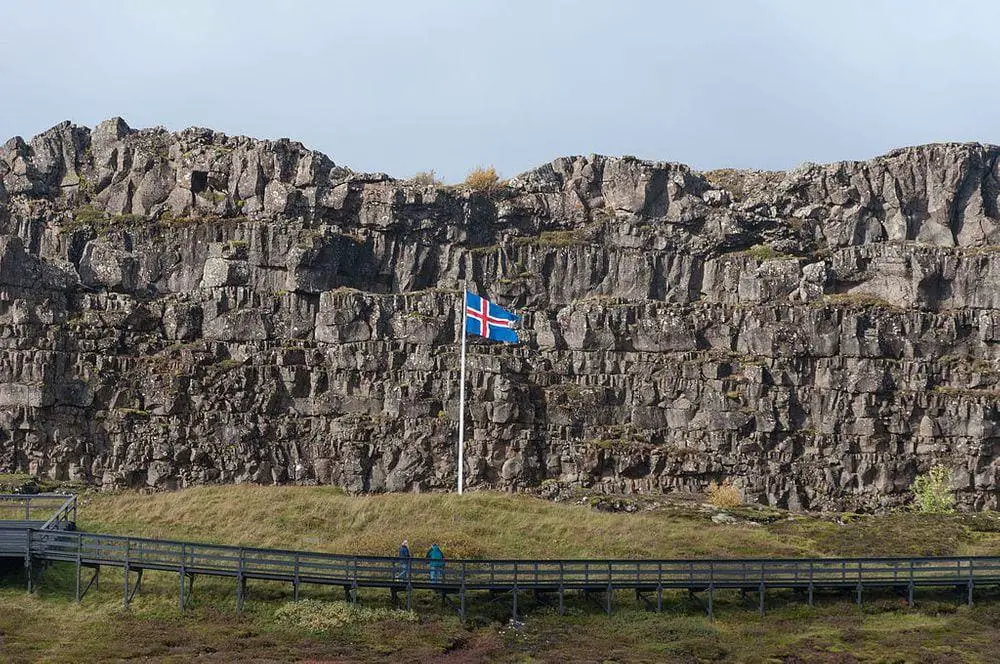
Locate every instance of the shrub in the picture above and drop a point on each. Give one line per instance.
(483, 179)
(88, 214)
(317, 616)
(724, 496)
(932, 492)
(425, 179)
(765, 252)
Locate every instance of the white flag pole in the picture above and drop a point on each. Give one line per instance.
(461, 398)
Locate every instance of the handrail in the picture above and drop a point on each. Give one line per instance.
(189, 558)
(529, 561)
(53, 544)
(32, 502)
(108, 549)
(62, 514)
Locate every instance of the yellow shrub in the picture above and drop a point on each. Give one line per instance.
(482, 179)
(724, 496)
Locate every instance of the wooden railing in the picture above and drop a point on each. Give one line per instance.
(54, 541)
(33, 507)
(458, 576)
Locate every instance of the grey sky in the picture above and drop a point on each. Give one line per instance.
(402, 86)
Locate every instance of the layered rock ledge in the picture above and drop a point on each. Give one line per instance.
(191, 307)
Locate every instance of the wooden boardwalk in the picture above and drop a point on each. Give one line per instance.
(55, 541)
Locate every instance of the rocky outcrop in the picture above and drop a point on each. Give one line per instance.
(194, 307)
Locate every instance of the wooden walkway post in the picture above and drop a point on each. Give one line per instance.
(240, 587)
(183, 600)
(27, 556)
(79, 545)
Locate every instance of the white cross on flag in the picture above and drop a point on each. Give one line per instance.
(489, 320)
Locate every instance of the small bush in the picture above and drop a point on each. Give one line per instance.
(425, 179)
(483, 179)
(317, 616)
(88, 214)
(861, 300)
(724, 496)
(932, 492)
(765, 252)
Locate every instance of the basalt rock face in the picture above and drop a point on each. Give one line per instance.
(192, 307)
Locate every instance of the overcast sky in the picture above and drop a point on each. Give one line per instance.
(408, 85)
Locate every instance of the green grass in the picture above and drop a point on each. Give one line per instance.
(941, 629)
(555, 239)
(765, 252)
(856, 301)
(16, 482)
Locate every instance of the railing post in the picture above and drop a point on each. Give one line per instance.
(354, 581)
(970, 581)
(27, 556)
(239, 583)
(79, 546)
(461, 592)
(562, 607)
(514, 593)
(659, 586)
(810, 583)
(761, 589)
(128, 545)
(711, 589)
(909, 599)
(608, 592)
(183, 601)
(295, 581)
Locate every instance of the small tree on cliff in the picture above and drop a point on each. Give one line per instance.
(483, 180)
(932, 493)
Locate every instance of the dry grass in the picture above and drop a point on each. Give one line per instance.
(479, 524)
(724, 496)
(488, 524)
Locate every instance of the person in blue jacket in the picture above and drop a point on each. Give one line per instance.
(403, 566)
(436, 563)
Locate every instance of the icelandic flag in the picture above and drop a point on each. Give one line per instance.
(489, 320)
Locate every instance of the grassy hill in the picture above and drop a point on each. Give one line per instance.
(49, 627)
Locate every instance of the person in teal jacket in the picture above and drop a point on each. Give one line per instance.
(436, 563)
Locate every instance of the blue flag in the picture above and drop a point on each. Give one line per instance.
(489, 320)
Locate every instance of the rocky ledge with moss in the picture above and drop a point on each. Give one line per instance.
(182, 308)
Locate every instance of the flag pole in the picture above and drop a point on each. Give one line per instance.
(461, 398)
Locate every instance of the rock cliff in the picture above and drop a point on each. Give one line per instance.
(191, 307)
